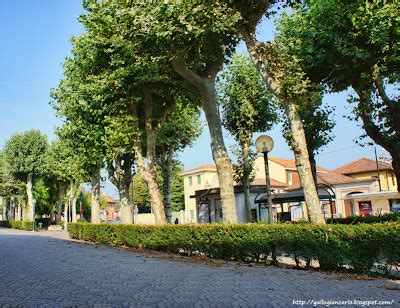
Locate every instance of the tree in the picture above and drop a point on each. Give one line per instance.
(114, 79)
(181, 129)
(286, 80)
(247, 108)
(68, 167)
(12, 191)
(24, 156)
(195, 38)
(318, 123)
(356, 45)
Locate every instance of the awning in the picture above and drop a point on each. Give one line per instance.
(324, 193)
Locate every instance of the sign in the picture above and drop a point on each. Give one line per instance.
(365, 208)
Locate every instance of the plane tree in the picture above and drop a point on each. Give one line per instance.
(181, 129)
(24, 159)
(195, 38)
(247, 109)
(285, 79)
(354, 44)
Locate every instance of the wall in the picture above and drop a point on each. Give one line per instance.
(145, 219)
(384, 175)
(276, 171)
(209, 178)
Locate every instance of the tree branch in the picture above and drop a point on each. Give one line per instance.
(180, 66)
(391, 104)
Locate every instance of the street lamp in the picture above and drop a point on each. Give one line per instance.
(265, 144)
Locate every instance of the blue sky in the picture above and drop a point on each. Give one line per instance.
(35, 41)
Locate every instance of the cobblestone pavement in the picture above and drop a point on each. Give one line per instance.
(45, 269)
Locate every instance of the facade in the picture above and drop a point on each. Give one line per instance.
(352, 189)
(200, 178)
(365, 168)
(383, 198)
(201, 189)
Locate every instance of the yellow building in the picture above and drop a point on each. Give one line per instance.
(384, 199)
(199, 178)
(364, 169)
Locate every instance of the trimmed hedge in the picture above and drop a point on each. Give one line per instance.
(392, 217)
(21, 225)
(334, 246)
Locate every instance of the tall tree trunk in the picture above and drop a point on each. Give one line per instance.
(95, 212)
(396, 167)
(148, 170)
(73, 201)
(206, 86)
(167, 168)
(149, 175)
(61, 193)
(11, 209)
(246, 180)
(19, 212)
(296, 127)
(219, 152)
(29, 183)
(372, 130)
(313, 164)
(303, 165)
(126, 207)
(66, 216)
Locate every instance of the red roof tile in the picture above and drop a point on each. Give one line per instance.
(331, 178)
(362, 165)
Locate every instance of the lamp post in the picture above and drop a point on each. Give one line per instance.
(265, 144)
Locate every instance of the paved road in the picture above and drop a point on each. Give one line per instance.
(45, 269)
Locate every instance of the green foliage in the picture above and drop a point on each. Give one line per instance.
(24, 154)
(141, 197)
(334, 246)
(247, 108)
(20, 225)
(368, 219)
(246, 102)
(41, 192)
(177, 195)
(356, 44)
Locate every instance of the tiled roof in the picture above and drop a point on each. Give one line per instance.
(200, 168)
(290, 163)
(362, 165)
(331, 178)
(274, 183)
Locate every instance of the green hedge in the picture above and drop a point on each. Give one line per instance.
(367, 219)
(334, 246)
(21, 225)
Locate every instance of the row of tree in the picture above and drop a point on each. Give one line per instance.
(139, 73)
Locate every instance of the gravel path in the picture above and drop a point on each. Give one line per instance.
(46, 269)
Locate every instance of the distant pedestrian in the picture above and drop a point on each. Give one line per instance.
(176, 221)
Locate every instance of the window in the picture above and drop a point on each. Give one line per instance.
(192, 214)
(393, 180)
(190, 181)
(289, 178)
(198, 179)
(394, 205)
